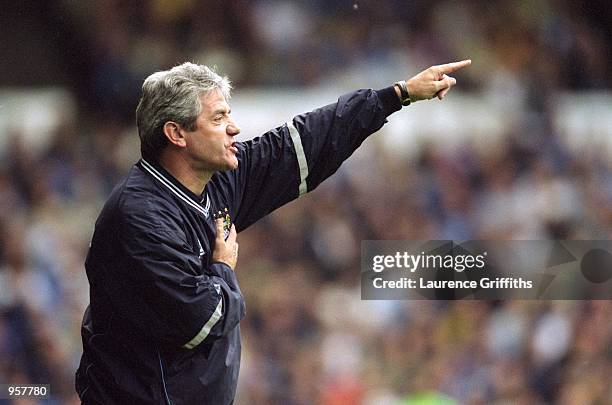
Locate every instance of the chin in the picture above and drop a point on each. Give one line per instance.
(233, 165)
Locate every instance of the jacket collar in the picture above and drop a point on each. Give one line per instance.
(201, 203)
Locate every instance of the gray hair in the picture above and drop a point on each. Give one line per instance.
(173, 95)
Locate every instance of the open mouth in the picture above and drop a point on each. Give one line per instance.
(233, 148)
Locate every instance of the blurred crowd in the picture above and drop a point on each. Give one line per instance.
(307, 337)
(108, 47)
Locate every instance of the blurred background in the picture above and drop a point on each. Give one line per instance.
(521, 149)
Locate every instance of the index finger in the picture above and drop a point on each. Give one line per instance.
(453, 66)
(219, 226)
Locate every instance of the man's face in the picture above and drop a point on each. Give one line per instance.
(211, 145)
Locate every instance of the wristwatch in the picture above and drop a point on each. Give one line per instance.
(404, 95)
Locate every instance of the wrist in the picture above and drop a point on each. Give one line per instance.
(401, 87)
(228, 263)
(398, 92)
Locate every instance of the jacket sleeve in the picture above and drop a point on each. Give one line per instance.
(157, 283)
(295, 158)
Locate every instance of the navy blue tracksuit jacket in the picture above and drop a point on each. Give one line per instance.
(162, 326)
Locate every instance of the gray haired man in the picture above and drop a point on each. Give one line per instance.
(162, 326)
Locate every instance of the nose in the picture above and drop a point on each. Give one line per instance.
(232, 129)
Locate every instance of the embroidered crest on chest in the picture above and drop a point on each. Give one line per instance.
(227, 221)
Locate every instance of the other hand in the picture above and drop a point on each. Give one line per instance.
(226, 251)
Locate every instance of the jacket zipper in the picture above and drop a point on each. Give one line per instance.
(163, 380)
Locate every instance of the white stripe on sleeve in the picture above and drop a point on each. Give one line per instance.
(301, 157)
(214, 318)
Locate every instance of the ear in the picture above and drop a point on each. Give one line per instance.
(175, 134)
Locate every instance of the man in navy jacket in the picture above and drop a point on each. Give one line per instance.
(165, 305)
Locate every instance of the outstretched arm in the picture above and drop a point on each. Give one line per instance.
(295, 158)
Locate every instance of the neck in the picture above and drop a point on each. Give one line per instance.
(181, 169)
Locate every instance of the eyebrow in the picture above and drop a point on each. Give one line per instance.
(222, 111)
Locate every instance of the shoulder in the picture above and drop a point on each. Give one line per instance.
(137, 203)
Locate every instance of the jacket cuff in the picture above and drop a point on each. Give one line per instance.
(224, 271)
(389, 99)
